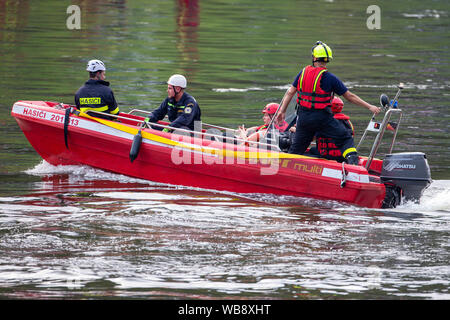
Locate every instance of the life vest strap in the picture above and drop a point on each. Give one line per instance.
(319, 95)
(310, 95)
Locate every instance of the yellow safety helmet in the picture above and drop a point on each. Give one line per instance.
(321, 52)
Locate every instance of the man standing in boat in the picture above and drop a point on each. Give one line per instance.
(181, 108)
(315, 88)
(95, 94)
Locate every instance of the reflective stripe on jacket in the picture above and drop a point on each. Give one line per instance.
(182, 113)
(309, 93)
(326, 146)
(96, 95)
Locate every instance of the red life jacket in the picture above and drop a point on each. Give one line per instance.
(264, 127)
(283, 127)
(309, 93)
(326, 147)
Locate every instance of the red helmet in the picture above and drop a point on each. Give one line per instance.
(271, 108)
(336, 105)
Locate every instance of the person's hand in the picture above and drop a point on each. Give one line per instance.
(279, 120)
(241, 129)
(374, 109)
(242, 132)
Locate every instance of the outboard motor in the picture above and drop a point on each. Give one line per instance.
(405, 175)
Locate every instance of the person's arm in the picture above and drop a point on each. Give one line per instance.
(251, 130)
(256, 136)
(286, 100)
(353, 98)
(77, 99)
(160, 113)
(187, 117)
(112, 104)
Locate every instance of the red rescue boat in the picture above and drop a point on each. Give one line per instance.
(64, 136)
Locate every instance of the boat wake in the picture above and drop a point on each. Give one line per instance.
(434, 199)
(82, 172)
(77, 174)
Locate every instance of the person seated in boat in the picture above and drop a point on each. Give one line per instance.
(257, 132)
(95, 94)
(326, 147)
(181, 108)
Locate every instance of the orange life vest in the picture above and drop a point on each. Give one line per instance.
(264, 127)
(283, 127)
(309, 93)
(258, 131)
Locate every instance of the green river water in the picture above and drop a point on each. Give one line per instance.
(237, 56)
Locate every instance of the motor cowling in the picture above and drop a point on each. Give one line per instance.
(407, 173)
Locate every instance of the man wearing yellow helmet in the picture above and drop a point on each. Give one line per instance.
(315, 88)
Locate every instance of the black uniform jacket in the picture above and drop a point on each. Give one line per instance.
(182, 114)
(96, 95)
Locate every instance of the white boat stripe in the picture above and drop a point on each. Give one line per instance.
(352, 176)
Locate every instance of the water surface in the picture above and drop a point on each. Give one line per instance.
(77, 232)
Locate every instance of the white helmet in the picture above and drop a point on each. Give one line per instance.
(95, 65)
(177, 80)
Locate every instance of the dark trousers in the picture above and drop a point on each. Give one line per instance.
(310, 122)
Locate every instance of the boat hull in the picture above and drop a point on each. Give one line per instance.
(189, 161)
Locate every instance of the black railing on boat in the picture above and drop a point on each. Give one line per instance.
(203, 123)
(217, 137)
